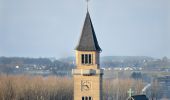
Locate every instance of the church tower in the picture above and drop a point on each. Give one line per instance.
(87, 74)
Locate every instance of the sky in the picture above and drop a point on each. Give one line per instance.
(51, 28)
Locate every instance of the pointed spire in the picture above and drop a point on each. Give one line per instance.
(88, 40)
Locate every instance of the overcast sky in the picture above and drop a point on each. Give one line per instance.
(51, 28)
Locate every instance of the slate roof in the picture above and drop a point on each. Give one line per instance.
(138, 97)
(88, 40)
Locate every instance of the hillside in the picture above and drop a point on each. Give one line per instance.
(64, 65)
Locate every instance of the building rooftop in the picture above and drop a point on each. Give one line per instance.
(138, 97)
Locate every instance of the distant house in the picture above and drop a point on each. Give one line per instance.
(138, 97)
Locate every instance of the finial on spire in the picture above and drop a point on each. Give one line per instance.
(87, 4)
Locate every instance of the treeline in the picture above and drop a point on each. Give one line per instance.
(118, 61)
(162, 64)
(124, 61)
(129, 61)
(64, 65)
(30, 61)
(22, 60)
(135, 61)
(35, 88)
(59, 88)
(8, 64)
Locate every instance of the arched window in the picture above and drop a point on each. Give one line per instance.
(82, 98)
(87, 59)
(90, 98)
(86, 98)
(82, 59)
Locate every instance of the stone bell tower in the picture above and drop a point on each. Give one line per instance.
(87, 74)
